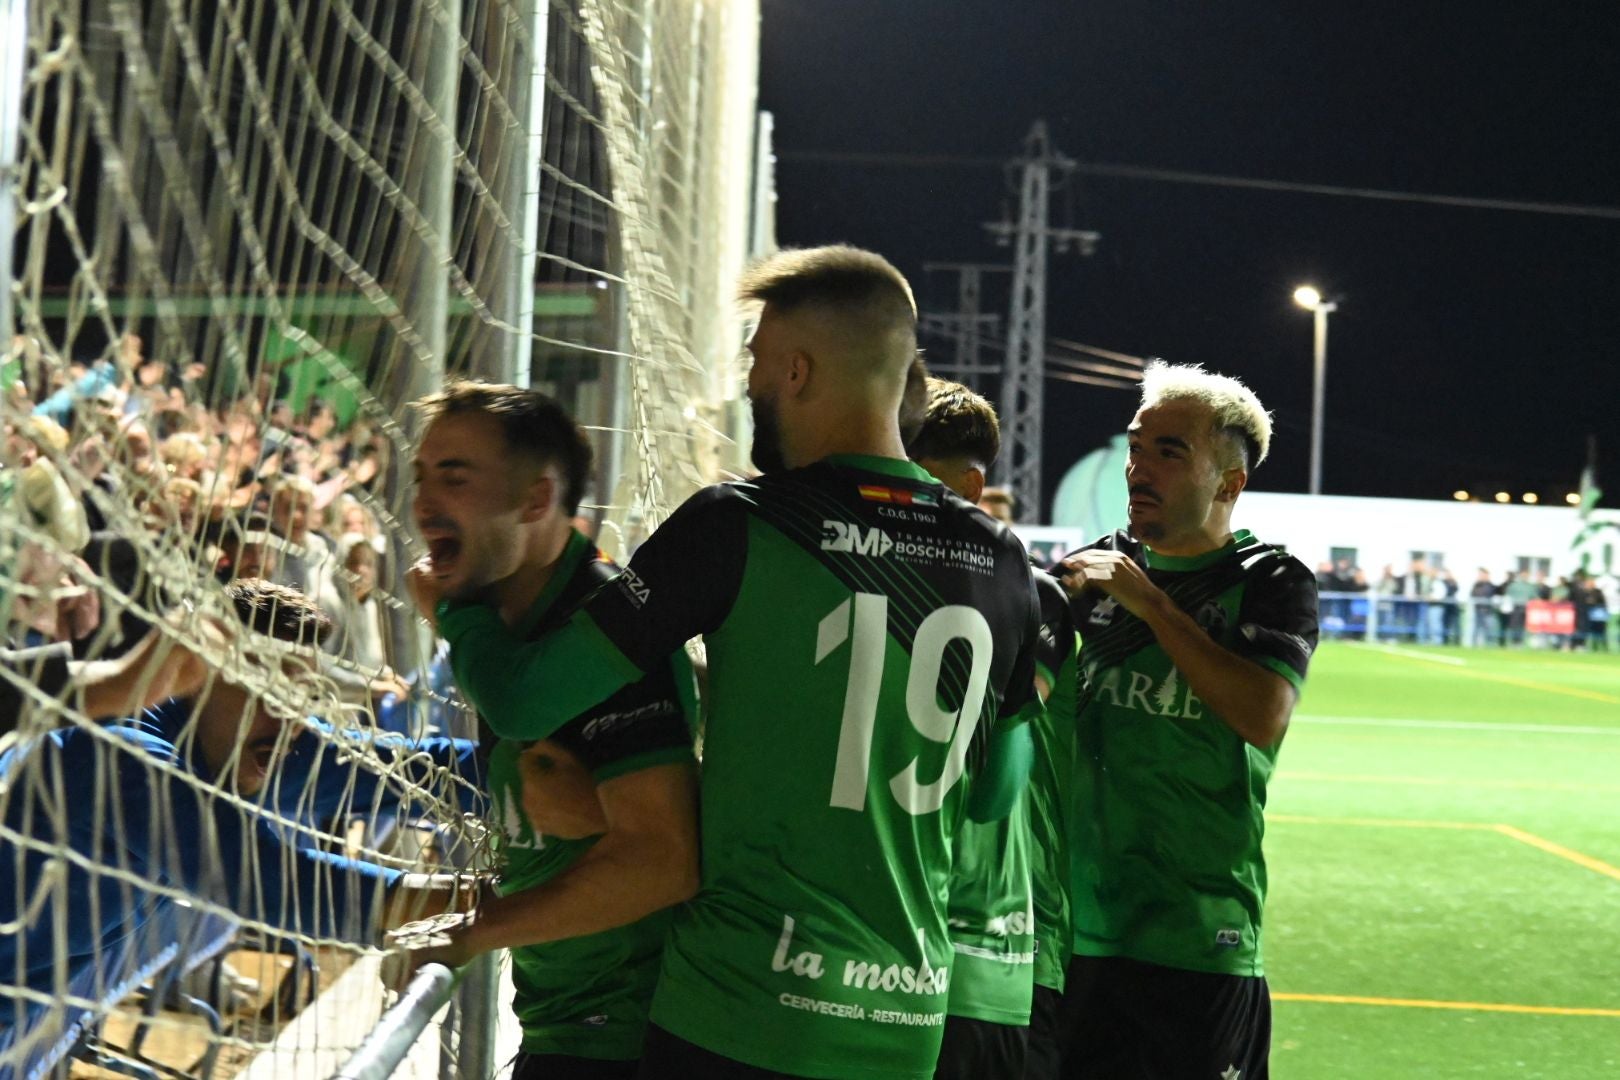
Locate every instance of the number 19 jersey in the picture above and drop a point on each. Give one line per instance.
(866, 632)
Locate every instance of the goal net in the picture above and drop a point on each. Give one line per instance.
(248, 233)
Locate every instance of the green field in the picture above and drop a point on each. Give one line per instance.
(1444, 830)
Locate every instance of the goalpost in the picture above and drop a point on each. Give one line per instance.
(237, 239)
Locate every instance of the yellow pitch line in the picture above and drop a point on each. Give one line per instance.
(1462, 1006)
(1595, 865)
(1549, 688)
(1396, 823)
(1570, 854)
(1440, 781)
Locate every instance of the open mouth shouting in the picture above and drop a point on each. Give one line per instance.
(444, 547)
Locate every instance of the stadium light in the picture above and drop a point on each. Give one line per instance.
(1460, 495)
(1531, 497)
(1502, 497)
(1573, 499)
(1309, 297)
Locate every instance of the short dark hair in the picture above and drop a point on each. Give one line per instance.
(533, 423)
(837, 275)
(282, 613)
(958, 423)
(317, 407)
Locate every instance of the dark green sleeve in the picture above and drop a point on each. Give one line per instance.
(995, 790)
(529, 689)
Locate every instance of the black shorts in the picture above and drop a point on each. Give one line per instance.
(1123, 1020)
(669, 1057)
(980, 1050)
(565, 1067)
(1044, 1061)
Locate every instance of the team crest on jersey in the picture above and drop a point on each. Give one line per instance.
(1212, 617)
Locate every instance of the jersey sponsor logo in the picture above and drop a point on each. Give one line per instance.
(1172, 697)
(1102, 612)
(898, 496)
(635, 590)
(1228, 938)
(851, 539)
(863, 974)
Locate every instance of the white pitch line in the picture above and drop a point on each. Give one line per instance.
(1459, 725)
(1409, 654)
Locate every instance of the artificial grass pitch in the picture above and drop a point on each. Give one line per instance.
(1444, 835)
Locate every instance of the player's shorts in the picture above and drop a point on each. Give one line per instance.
(670, 1057)
(566, 1067)
(1044, 1061)
(1125, 1020)
(980, 1050)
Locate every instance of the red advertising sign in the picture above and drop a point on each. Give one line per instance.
(1549, 617)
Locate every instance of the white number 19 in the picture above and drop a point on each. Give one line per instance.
(942, 725)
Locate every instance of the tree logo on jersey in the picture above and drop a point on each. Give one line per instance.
(849, 538)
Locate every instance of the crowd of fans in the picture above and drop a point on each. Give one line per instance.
(240, 484)
(1429, 605)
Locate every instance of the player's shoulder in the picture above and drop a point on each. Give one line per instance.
(1272, 562)
(1119, 540)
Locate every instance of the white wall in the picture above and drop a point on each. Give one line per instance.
(1387, 531)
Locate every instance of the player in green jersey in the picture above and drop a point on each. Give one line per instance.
(1010, 883)
(1195, 642)
(584, 908)
(870, 641)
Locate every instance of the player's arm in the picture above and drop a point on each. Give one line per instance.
(647, 860)
(1254, 697)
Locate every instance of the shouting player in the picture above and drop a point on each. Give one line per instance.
(499, 475)
(1195, 641)
(870, 641)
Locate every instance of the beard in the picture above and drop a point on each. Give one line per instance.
(767, 449)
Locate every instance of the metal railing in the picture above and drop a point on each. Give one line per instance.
(469, 1054)
(1460, 620)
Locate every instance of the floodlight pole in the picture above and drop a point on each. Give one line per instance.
(1319, 391)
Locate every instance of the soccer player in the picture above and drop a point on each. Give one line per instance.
(1010, 884)
(102, 794)
(1194, 645)
(499, 476)
(869, 636)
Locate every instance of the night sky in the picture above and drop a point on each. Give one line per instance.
(1472, 348)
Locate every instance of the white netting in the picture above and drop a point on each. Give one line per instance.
(249, 232)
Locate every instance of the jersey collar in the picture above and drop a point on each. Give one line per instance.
(1156, 561)
(905, 470)
(567, 563)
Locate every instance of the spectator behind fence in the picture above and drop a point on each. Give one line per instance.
(225, 832)
(1487, 619)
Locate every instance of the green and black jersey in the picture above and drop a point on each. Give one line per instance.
(1009, 913)
(588, 996)
(1169, 800)
(867, 633)
(1051, 786)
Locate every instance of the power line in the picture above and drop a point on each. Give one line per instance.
(1120, 171)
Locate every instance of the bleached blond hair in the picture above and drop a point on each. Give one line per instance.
(1236, 411)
